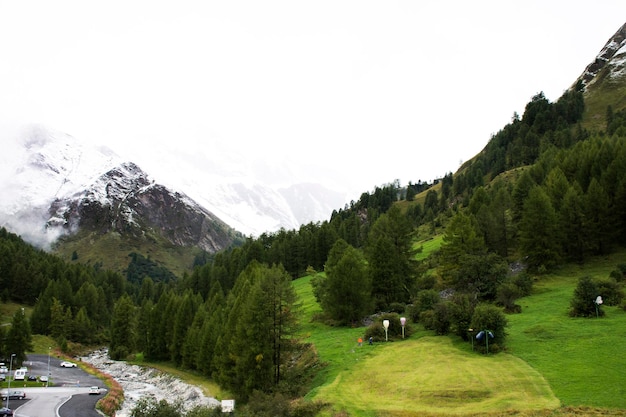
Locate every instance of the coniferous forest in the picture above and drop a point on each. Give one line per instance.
(543, 192)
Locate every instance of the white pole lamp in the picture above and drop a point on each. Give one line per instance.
(403, 323)
(598, 301)
(386, 326)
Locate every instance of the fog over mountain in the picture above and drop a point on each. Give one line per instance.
(39, 166)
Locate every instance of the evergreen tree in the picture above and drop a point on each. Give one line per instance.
(58, 324)
(538, 232)
(347, 296)
(572, 223)
(123, 328)
(390, 259)
(19, 337)
(598, 218)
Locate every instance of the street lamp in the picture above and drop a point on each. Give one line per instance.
(386, 326)
(403, 322)
(9, 386)
(48, 377)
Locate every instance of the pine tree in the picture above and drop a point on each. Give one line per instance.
(19, 337)
(123, 328)
(348, 293)
(538, 232)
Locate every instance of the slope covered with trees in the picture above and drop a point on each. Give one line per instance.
(542, 193)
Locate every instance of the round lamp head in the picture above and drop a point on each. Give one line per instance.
(386, 324)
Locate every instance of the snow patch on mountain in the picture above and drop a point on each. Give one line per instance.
(39, 166)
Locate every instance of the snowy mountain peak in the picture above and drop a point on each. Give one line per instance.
(47, 176)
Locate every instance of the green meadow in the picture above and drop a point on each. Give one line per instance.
(554, 365)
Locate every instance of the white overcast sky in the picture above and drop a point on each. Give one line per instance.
(356, 93)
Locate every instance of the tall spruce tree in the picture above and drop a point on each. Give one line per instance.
(19, 337)
(538, 232)
(123, 328)
(347, 296)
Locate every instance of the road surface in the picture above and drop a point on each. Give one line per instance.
(66, 396)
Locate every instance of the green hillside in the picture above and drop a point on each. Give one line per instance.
(552, 362)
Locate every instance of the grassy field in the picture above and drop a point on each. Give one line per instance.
(554, 365)
(582, 358)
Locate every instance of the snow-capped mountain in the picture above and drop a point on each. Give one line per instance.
(51, 181)
(126, 201)
(612, 56)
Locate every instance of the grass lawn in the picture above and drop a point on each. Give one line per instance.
(582, 358)
(572, 366)
(424, 374)
(432, 375)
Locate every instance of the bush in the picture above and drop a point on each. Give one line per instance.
(617, 275)
(461, 312)
(425, 300)
(488, 317)
(524, 283)
(427, 318)
(149, 407)
(611, 292)
(441, 318)
(506, 295)
(396, 307)
(377, 332)
(583, 303)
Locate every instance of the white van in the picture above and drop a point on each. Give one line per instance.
(20, 374)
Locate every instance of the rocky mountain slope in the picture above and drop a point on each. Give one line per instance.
(54, 185)
(126, 201)
(605, 81)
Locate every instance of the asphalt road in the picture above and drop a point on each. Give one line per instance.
(66, 394)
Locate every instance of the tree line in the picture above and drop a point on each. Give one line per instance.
(543, 190)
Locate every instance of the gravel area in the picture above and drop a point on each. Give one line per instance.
(137, 382)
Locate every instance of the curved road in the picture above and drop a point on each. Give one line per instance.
(67, 396)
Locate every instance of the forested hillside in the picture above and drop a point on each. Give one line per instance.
(542, 193)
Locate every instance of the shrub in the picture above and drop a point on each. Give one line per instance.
(583, 303)
(488, 317)
(425, 300)
(461, 312)
(611, 292)
(427, 318)
(441, 318)
(524, 283)
(377, 331)
(396, 307)
(149, 407)
(506, 295)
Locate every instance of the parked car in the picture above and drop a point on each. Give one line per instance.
(20, 375)
(3, 377)
(66, 364)
(6, 411)
(43, 378)
(14, 394)
(32, 378)
(3, 368)
(94, 391)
